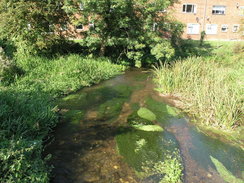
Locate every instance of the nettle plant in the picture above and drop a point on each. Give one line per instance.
(136, 30)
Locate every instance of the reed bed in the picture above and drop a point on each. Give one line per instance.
(211, 89)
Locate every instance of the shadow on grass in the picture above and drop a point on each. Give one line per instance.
(189, 47)
(8, 47)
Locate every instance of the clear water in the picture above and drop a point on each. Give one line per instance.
(95, 143)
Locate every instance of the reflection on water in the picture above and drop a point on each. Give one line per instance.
(97, 141)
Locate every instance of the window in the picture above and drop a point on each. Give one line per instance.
(236, 28)
(193, 28)
(79, 27)
(211, 28)
(218, 10)
(241, 9)
(189, 8)
(224, 28)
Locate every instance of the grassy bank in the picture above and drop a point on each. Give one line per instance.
(27, 114)
(210, 86)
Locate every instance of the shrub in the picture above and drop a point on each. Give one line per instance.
(26, 118)
(8, 69)
(21, 162)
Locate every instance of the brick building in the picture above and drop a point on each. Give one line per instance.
(220, 19)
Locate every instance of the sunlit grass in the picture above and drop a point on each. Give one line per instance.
(67, 74)
(211, 88)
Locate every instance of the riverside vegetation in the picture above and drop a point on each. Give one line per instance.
(209, 86)
(27, 113)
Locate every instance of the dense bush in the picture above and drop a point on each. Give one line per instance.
(21, 162)
(8, 69)
(26, 118)
(117, 29)
(30, 25)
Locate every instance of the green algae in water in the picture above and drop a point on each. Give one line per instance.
(74, 97)
(203, 146)
(123, 90)
(224, 173)
(110, 109)
(141, 77)
(150, 154)
(171, 168)
(146, 114)
(172, 111)
(93, 98)
(135, 154)
(135, 106)
(134, 119)
(161, 110)
(74, 116)
(148, 128)
(72, 101)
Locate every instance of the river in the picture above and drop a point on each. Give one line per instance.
(122, 131)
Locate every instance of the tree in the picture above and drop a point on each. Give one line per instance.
(30, 24)
(138, 30)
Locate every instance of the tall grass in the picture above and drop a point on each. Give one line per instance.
(27, 114)
(210, 88)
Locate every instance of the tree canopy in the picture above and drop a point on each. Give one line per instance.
(132, 30)
(140, 30)
(30, 24)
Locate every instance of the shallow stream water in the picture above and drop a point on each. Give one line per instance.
(122, 131)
